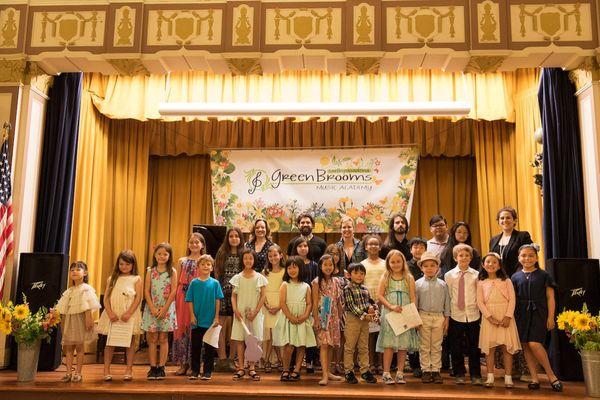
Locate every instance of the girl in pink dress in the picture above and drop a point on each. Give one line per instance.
(186, 271)
(327, 308)
(496, 301)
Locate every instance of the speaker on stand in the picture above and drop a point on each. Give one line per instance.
(578, 281)
(42, 279)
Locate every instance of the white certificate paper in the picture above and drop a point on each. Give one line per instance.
(405, 320)
(212, 336)
(120, 333)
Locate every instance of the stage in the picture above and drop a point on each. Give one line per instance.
(47, 386)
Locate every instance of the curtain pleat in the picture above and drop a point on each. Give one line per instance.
(138, 97)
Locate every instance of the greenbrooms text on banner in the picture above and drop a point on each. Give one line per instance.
(366, 184)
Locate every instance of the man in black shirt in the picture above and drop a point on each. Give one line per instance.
(316, 245)
(396, 238)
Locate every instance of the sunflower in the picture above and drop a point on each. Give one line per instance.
(582, 322)
(21, 312)
(6, 315)
(5, 327)
(561, 325)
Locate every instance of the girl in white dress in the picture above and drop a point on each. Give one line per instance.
(122, 300)
(247, 300)
(75, 307)
(273, 271)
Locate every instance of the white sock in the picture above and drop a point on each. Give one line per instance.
(490, 378)
(508, 379)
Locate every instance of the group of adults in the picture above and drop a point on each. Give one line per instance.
(442, 241)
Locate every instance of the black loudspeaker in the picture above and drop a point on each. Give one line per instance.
(42, 278)
(578, 281)
(214, 236)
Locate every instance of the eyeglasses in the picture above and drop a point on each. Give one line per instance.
(438, 226)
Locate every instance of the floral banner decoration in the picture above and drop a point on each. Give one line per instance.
(366, 184)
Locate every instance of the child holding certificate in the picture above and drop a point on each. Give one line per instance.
(396, 289)
(204, 301)
(122, 300)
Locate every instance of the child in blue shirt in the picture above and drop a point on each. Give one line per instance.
(203, 296)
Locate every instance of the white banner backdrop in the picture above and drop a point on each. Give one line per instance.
(366, 184)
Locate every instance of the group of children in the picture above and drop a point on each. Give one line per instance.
(295, 305)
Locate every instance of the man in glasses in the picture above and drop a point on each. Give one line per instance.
(439, 229)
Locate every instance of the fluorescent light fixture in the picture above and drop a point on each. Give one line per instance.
(382, 109)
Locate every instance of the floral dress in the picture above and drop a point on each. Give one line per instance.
(330, 310)
(160, 291)
(182, 344)
(396, 293)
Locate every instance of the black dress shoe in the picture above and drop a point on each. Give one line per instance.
(557, 386)
(534, 386)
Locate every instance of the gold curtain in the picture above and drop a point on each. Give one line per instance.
(436, 138)
(109, 212)
(528, 120)
(89, 204)
(179, 196)
(137, 97)
(496, 174)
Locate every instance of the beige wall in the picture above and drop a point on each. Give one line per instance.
(588, 99)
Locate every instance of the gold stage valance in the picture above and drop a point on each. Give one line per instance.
(137, 97)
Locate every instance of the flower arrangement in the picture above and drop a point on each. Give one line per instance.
(581, 327)
(25, 326)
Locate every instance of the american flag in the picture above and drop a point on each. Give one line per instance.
(6, 214)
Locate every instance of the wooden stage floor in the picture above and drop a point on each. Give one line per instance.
(47, 386)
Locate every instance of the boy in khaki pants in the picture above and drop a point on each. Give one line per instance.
(433, 303)
(360, 310)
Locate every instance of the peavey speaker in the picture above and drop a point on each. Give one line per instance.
(578, 281)
(214, 236)
(42, 279)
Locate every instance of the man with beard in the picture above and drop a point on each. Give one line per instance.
(316, 245)
(396, 238)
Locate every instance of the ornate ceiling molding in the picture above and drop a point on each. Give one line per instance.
(335, 36)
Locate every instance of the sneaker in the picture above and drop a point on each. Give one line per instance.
(426, 377)
(160, 372)
(459, 380)
(206, 376)
(387, 378)
(368, 377)
(436, 377)
(151, 375)
(417, 372)
(194, 376)
(476, 381)
(400, 379)
(351, 378)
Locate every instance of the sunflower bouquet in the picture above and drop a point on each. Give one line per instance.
(25, 326)
(582, 328)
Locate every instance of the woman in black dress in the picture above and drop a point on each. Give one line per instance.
(507, 243)
(260, 241)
